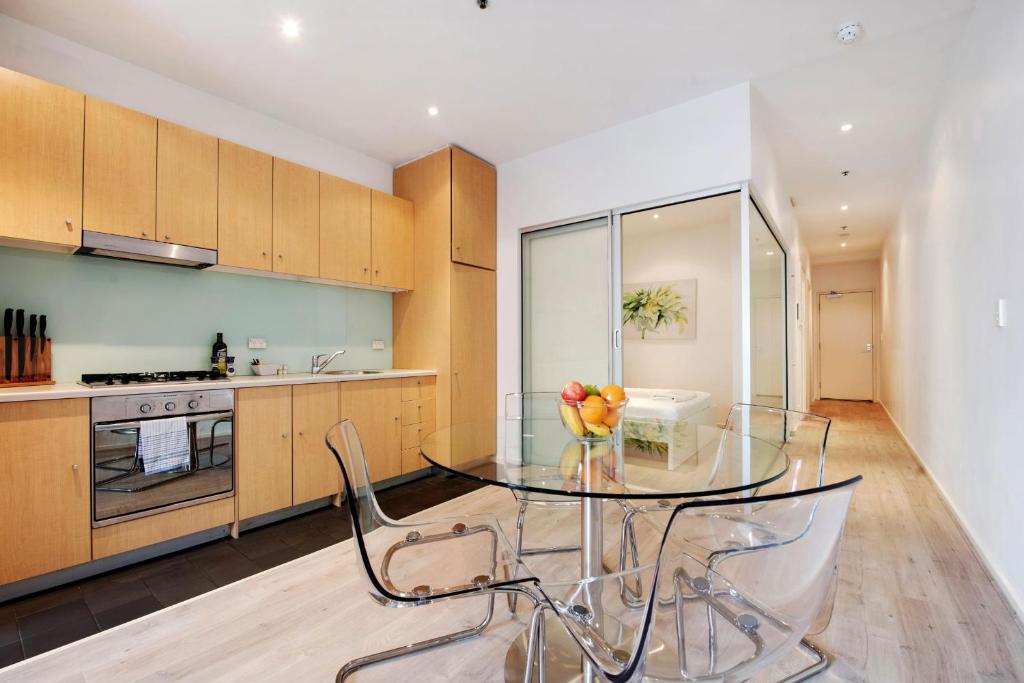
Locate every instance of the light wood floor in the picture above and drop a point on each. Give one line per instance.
(914, 603)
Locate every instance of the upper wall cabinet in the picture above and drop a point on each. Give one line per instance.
(344, 230)
(474, 210)
(186, 186)
(245, 207)
(120, 170)
(296, 219)
(40, 161)
(392, 241)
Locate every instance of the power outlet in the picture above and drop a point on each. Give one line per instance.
(378, 345)
(257, 343)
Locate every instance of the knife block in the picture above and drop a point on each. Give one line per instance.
(37, 362)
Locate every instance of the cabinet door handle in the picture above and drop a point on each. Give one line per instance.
(75, 467)
(284, 436)
(67, 222)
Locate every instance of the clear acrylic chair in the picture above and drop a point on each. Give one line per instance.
(525, 406)
(410, 564)
(803, 437)
(698, 623)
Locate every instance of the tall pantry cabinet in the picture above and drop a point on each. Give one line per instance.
(447, 322)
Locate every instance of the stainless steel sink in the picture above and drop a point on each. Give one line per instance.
(353, 372)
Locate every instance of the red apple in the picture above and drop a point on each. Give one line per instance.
(573, 392)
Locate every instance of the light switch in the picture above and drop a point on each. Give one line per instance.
(378, 345)
(257, 343)
(1001, 313)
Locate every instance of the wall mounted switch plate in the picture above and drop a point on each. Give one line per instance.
(378, 345)
(1001, 313)
(257, 343)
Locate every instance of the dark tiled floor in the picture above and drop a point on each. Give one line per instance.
(44, 621)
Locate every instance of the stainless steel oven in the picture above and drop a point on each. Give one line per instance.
(122, 489)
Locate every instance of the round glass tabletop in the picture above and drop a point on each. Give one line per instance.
(647, 459)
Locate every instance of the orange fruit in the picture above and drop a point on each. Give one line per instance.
(612, 419)
(593, 409)
(613, 393)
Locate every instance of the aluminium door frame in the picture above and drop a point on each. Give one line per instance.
(817, 339)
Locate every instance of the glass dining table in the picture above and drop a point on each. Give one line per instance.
(646, 461)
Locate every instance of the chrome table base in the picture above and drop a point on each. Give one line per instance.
(563, 661)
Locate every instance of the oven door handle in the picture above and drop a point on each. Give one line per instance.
(190, 419)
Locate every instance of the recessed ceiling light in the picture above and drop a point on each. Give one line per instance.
(769, 253)
(290, 27)
(846, 127)
(656, 216)
(433, 111)
(844, 207)
(842, 244)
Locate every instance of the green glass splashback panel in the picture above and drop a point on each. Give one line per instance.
(105, 315)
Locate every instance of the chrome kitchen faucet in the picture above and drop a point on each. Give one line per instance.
(316, 367)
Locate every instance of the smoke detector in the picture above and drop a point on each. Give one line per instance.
(849, 33)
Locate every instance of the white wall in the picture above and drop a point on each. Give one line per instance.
(700, 144)
(687, 242)
(769, 191)
(846, 276)
(35, 52)
(951, 378)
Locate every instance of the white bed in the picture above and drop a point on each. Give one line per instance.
(662, 424)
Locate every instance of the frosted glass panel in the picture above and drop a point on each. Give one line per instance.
(565, 306)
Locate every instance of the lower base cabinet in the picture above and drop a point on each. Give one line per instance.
(263, 425)
(138, 533)
(315, 472)
(44, 487)
(375, 406)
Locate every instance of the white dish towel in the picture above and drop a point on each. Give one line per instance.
(163, 445)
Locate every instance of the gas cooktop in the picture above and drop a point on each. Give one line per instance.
(110, 379)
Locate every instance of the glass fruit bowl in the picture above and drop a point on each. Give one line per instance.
(594, 419)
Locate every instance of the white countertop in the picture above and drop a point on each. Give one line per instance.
(71, 390)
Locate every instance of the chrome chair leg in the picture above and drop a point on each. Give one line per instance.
(535, 646)
(823, 659)
(513, 599)
(394, 653)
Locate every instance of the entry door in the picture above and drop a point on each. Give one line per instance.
(846, 363)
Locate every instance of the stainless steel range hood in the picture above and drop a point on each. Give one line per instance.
(135, 249)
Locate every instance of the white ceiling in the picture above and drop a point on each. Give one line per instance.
(526, 74)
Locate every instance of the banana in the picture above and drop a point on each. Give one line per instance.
(571, 418)
(598, 429)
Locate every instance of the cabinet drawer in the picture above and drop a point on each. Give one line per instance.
(411, 435)
(411, 388)
(428, 414)
(412, 460)
(418, 412)
(428, 388)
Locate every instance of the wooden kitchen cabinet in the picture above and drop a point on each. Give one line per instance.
(119, 194)
(186, 186)
(474, 210)
(375, 407)
(418, 420)
(391, 241)
(474, 359)
(41, 147)
(296, 219)
(263, 420)
(44, 487)
(315, 472)
(344, 230)
(245, 207)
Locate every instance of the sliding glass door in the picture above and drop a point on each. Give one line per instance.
(565, 305)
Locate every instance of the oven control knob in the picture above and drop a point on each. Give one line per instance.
(169, 406)
(193, 403)
(145, 408)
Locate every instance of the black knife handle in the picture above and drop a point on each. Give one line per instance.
(32, 321)
(42, 333)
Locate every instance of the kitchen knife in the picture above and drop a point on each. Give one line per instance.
(8, 322)
(44, 360)
(19, 327)
(32, 321)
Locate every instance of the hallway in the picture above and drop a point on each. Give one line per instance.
(915, 602)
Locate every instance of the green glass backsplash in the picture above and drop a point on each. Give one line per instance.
(105, 315)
